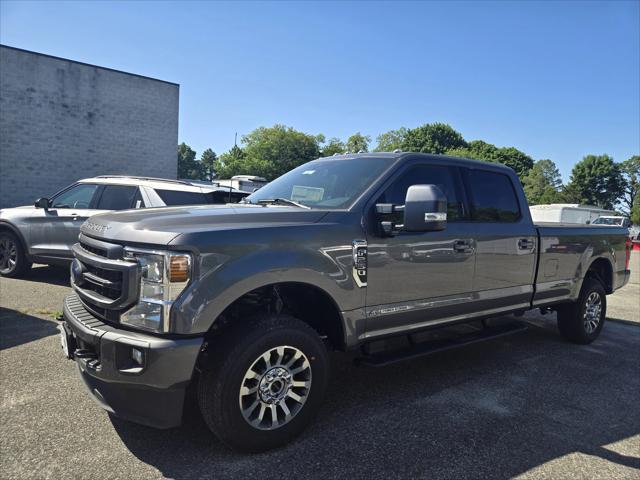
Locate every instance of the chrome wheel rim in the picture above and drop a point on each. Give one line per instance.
(8, 255)
(275, 388)
(592, 312)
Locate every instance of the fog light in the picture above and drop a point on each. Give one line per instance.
(137, 356)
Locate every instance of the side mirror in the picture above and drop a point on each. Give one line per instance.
(425, 209)
(43, 202)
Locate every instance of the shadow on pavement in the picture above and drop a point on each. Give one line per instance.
(17, 328)
(48, 274)
(493, 410)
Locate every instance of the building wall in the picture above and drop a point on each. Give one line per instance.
(62, 120)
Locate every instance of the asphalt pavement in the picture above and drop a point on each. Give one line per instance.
(527, 406)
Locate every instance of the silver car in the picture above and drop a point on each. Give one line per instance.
(45, 231)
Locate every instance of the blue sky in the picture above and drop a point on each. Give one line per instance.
(558, 80)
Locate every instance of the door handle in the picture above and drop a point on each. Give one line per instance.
(462, 246)
(525, 244)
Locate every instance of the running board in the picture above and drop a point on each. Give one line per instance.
(435, 346)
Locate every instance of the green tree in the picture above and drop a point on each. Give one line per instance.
(432, 138)
(230, 163)
(269, 152)
(509, 156)
(635, 211)
(543, 182)
(208, 161)
(358, 143)
(391, 140)
(333, 146)
(595, 180)
(631, 189)
(188, 166)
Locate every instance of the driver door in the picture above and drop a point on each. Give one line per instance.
(420, 278)
(57, 228)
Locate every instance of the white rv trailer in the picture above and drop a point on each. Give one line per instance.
(567, 213)
(246, 183)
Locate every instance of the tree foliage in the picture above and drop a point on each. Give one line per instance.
(391, 140)
(630, 170)
(432, 138)
(188, 166)
(333, 146)
(595, 180)
(269, 152)
(509, 156)
(358, 143)
(543, 182)
(208, 162)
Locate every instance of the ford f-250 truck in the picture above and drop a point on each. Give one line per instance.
(367, 253)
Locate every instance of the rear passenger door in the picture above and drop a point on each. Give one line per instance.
(505, 241)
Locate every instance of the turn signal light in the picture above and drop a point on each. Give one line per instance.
(179, 268)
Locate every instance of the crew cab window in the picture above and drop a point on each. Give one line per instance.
(493, 198)
(173, 197)
(446, 178)
(117, 197)
(78, 196)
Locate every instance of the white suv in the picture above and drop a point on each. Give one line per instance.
(45, 232)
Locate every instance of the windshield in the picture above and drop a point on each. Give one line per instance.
(607, 221)
(324, 183)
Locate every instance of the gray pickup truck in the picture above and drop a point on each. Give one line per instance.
(388, 256)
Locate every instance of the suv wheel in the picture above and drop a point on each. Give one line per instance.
(13, 262)
(582, 322)
(265, 384)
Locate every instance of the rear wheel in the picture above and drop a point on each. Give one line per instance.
(13, 262)
(265, 383)
(582, 322)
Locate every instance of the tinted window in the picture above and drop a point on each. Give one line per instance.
(446, 178)
(78, 196)
(117, 197)
(224, 197)
(172, 197)
(493, 198)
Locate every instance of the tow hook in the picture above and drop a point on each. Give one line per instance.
(84, 353)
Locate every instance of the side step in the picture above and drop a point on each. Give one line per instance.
(440, 345)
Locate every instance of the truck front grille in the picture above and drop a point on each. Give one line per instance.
(105, 283)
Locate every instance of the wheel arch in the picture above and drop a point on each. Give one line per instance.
(602, 269)
(9, 227)
(306, 301)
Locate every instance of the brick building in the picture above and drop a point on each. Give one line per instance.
(62, 120)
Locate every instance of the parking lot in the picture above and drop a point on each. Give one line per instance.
(528, 405)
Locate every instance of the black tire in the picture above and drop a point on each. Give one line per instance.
(239, 352)
(575, 322)
(13, 262)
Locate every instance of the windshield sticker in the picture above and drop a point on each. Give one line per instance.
(303, 194)
(308, 172)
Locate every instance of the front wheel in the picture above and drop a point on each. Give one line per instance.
(13, 262)
(266, 383)
(582, 322)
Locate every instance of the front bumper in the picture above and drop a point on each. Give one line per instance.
(152, 393)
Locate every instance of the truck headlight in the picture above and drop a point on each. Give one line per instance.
(164, 276)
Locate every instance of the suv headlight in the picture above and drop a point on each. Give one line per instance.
(164, 276)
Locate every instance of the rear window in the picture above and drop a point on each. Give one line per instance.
(173, 197)
(493, 198)
(225, 197)
(117, 197)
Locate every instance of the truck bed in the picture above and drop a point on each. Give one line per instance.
(565, 253)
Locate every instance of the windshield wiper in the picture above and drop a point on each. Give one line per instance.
(280, 200)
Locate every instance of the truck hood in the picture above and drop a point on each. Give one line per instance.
(161, 225)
